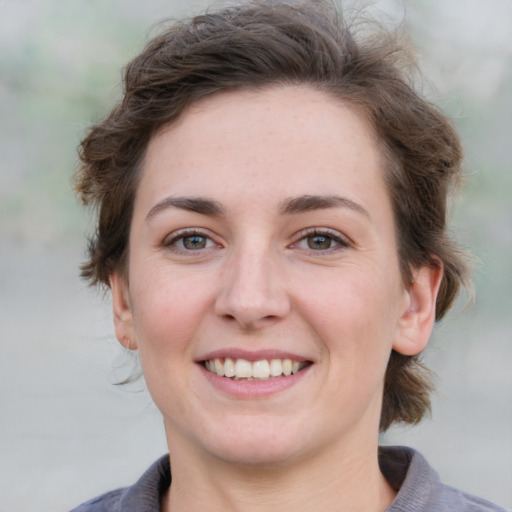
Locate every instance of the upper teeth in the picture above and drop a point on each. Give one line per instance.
(244, 369)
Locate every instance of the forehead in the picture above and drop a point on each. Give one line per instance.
(287, 140)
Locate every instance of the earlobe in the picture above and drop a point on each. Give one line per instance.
(123, 318)
(417, 320)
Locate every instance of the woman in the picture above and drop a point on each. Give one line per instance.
(271, 198)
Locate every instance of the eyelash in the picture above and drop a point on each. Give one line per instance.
(184, 234)
(328, 234)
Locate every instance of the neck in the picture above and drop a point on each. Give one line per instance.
(336, 479)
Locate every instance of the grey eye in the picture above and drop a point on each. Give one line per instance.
(319, 242)
(194, 242)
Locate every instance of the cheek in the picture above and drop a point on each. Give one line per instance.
(354, 313)
(167, 315)
(167, 310)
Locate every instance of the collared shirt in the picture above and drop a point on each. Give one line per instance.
(418, 485)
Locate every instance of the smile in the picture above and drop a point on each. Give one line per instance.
(264, 369)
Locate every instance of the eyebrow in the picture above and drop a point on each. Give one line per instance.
(192, 204)
(291, 206)
(308, 203)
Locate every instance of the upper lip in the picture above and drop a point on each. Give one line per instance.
(251, 355)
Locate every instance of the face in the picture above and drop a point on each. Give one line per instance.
(263, 289)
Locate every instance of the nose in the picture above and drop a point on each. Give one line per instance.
(252, 292)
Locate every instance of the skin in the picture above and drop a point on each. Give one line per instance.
(259, 282)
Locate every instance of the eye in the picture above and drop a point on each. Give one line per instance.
(185, 241)
(194, 242)
(321, 240)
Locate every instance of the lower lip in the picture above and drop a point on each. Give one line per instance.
(254, 388)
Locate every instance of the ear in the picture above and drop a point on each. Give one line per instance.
(123, 317)
(417, 320)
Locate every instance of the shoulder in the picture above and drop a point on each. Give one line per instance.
(420, 488)
(467, 502)
(109, 502)
(143, 496)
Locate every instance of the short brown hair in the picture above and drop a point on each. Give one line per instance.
(260, 44)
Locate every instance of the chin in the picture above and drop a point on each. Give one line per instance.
(259, 443)
(256, 454)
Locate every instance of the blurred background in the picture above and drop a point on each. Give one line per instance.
(68, 433)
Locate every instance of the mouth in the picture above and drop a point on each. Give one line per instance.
(261, 370)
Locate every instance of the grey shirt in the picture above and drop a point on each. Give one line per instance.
(418, 485)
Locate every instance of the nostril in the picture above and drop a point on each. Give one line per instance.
(249, 323)
(251, 312)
